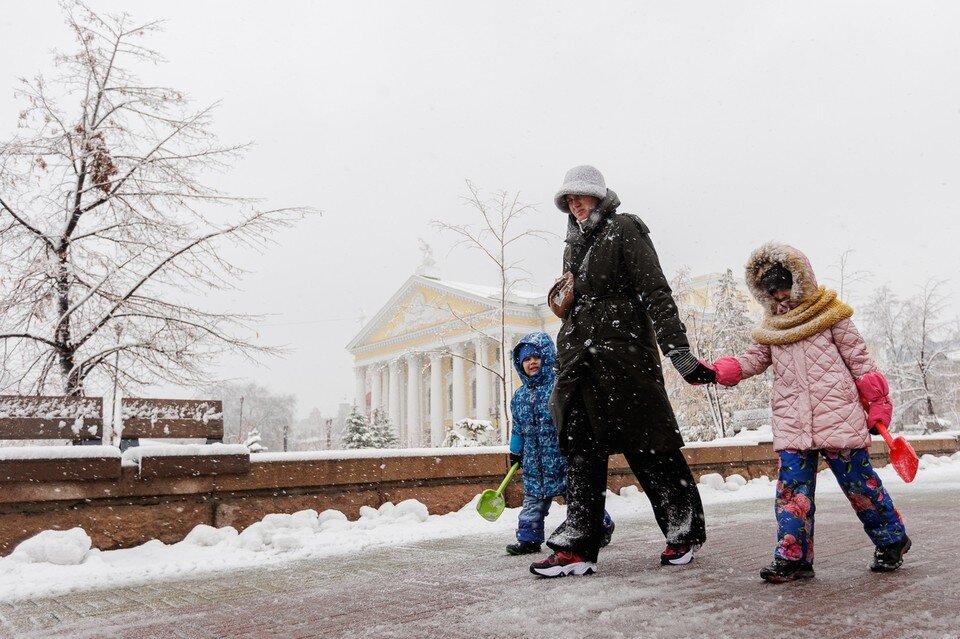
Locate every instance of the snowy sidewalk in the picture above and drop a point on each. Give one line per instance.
(464, 586)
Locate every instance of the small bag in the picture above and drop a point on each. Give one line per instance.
(560, 297)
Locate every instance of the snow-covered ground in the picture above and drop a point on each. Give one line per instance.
(57, 562)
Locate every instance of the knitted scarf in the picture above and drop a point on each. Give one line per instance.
(816, 314)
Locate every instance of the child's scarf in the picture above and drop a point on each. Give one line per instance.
(814, 315)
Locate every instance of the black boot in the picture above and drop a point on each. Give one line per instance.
(889, 558)
(523, 548)
(607, 535)
(784, 570)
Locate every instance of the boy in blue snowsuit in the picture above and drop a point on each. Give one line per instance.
(534, 443)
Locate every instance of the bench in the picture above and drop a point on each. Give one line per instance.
(77, 419)
(178, 419)
(170, 419)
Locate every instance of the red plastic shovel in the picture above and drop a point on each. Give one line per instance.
(902, 455)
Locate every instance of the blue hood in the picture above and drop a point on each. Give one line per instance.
(548, 355)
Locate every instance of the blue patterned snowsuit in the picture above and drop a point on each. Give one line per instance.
(535, 436)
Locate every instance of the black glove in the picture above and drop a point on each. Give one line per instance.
(516, 458)
(691, 369)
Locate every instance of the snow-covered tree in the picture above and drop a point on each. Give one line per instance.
(109, 235)
(912, 340)
(358, 433)
(469, 432)
(718, 323)
(691, 404)
(252, 441)
(730, 335)
(383, 430)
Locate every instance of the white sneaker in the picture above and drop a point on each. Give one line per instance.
(678, 554)
(563, 563)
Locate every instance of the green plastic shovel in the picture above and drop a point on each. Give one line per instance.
(491, 502)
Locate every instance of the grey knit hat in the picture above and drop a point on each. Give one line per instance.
(580, 180)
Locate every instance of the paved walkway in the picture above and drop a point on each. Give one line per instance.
(466, 588)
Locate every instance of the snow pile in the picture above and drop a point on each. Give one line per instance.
(282, 532)
(928, 461)
(279, 532)
(377, 453)
(67, 412)
(204, 535)
(733, 483)
(160, 409)
(50, 407)
(136, 453)
(60, 547)
(58, 452)
(761, 435)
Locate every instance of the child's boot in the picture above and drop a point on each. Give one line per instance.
(607, 531)
(784, 570)
(889, 558)
(523, 548)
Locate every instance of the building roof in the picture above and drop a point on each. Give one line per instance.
(407, 308)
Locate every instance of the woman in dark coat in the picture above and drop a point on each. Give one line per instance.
(609, 396)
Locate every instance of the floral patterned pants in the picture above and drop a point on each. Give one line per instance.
(795, 494)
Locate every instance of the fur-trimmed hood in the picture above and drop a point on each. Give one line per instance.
(770, 254)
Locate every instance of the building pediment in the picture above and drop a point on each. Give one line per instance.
(421, 304)
(425, 308)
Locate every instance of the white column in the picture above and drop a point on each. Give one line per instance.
(395, 395)
(360, 390)
(436, 399)
(483, 379)
(376, 388)
(512, 340)
(459, 383)
(498, 390)
(414, 425)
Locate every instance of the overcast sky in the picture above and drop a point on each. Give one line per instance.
(827, 125)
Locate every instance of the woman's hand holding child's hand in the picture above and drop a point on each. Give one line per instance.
(729, 371)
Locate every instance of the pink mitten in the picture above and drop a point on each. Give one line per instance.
(729, 371)
(875, 397)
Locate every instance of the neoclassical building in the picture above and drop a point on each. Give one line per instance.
(431, 355)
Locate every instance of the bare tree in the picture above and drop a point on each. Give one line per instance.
(847, 276)
(495, 237)
(913, 340)
(249, 405)
(108, 233)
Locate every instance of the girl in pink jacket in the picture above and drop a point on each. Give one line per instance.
(827, 396)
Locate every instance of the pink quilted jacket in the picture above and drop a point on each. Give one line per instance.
(827, 391)
(816, 403)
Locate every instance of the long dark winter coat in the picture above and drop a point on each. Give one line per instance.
(608, 345)
(533, 433)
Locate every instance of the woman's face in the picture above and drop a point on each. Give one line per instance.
(581, 205)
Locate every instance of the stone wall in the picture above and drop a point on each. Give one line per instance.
(128, 511)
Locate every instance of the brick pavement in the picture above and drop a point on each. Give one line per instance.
(464, 587)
